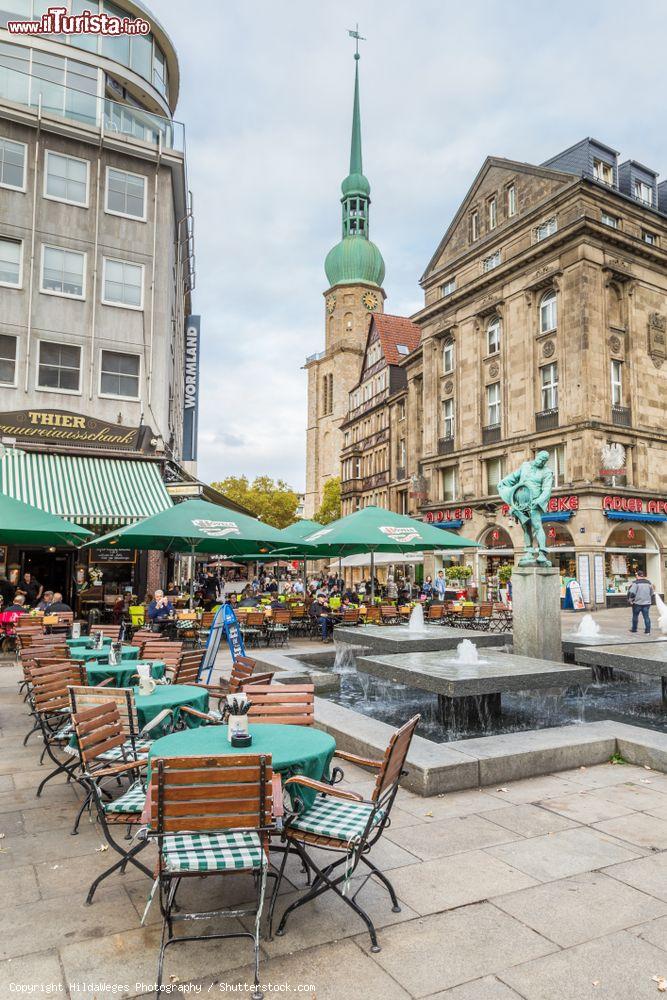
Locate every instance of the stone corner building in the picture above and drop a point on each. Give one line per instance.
(544, 326)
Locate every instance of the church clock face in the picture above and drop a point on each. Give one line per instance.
(370, 300)
(331, 303)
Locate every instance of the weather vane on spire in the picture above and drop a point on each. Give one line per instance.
(357, 37)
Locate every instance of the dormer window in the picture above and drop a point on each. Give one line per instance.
(643, 192)
(402, 349)
(603, 172)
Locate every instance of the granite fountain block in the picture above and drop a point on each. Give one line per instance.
(402, 639)
(536, 606)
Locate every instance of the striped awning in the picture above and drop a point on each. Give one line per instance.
(87, 490)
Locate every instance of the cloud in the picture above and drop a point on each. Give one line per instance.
(266, 96)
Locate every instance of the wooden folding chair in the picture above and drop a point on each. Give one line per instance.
(212, 816)
(351, 616)
(277, 630)
(242, 677)
(372, 616)
(99, 731)
(342, 822)
(282, 704)
(113, 632)
(49, 698)
(167, 650)
(435, 612)
(388, 614)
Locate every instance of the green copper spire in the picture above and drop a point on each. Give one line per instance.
(355, 259)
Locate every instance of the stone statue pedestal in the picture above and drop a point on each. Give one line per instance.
(536, 607)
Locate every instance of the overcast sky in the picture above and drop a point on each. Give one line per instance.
(266, 97)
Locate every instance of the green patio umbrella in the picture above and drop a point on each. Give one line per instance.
(291, 544)
(196, 526)
(374, 529)
(23, 524)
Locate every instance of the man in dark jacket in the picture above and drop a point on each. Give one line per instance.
(57, 604)
(640, 595)
(319, 610)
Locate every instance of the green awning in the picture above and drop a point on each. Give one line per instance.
(87, 490)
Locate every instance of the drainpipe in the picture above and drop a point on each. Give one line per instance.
(32, 247)
(152, 320)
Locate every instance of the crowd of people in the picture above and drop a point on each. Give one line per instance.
(29, 595)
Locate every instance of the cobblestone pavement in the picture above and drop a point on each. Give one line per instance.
(552, 888)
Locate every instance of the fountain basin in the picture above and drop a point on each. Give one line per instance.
(400, 639)
(431, 671)
(573, 642)
(649, 659)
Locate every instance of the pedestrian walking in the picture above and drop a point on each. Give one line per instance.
(640, 596)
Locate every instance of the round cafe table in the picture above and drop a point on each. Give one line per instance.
(102, 655)
(85, 642)
(294, 749)
(171, 696)
(124, 674)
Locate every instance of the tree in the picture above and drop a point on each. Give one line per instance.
(330, 508)
(274, 503)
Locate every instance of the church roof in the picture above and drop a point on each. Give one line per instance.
(398, 335)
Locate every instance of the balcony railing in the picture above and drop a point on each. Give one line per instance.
(445, 446)
(621, 416)
(400, 472)
(491, 434)
(54, 100)
(546, 420)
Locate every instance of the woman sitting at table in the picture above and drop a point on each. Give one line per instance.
(160, 607)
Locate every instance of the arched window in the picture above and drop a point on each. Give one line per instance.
(448, 357)
(493, 335)
(548, 312)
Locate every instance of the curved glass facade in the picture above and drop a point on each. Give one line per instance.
(140, 53)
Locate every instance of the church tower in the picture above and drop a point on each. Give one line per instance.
(355, 271)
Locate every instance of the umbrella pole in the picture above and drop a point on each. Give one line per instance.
(192, 577)
(305, 577)
(372, 578)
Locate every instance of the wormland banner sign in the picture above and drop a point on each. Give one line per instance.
(191, 388)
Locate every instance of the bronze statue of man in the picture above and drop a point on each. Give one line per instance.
(527, 492)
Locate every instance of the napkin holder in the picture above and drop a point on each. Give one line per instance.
(76, 630)
(146, 683)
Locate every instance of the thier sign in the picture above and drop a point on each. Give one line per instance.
(72, 429)
(191, 388)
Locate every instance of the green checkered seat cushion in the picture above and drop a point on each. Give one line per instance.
(131, 801)
(340, 819)
(213, 852)
(128, 751)
(64, 734)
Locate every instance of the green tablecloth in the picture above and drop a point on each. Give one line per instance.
(85, 642)
(171, 696)
(124, 675)
(294, 749)
(102, 655)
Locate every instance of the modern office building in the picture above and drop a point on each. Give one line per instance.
(96, 276)
(544, 326)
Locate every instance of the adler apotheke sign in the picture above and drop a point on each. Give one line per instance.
(72, 429)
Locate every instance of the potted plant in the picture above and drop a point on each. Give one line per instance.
(457, 574)
(504, 577)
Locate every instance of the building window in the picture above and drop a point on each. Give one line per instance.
(649, 238)
(557, 464)
(494, 473)
(402, 496)
(545, 229)
(493, 336)
(492, 212)
(609, 220)
(448, 357)
(548, 312)
(603, 172)
(510, 200)
(474, 226)
(126, 194)
(123, 284)
(448, 418)
(449, 286)
(644, 192)
(59, 367)
(7, 360)
(401, 410)
(549, 380)
(66, 178)
(448, 484)
(617, 383)
(346, 439)
(402, 454)
(12, 164)
(63, 271)
(119, 374)
(489, 263)
(493, 404)
(11, 259)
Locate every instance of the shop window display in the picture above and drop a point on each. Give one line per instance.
(628, 550)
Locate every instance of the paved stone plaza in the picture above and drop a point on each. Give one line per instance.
(551, 888)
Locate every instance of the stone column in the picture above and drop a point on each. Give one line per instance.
(536, 606)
